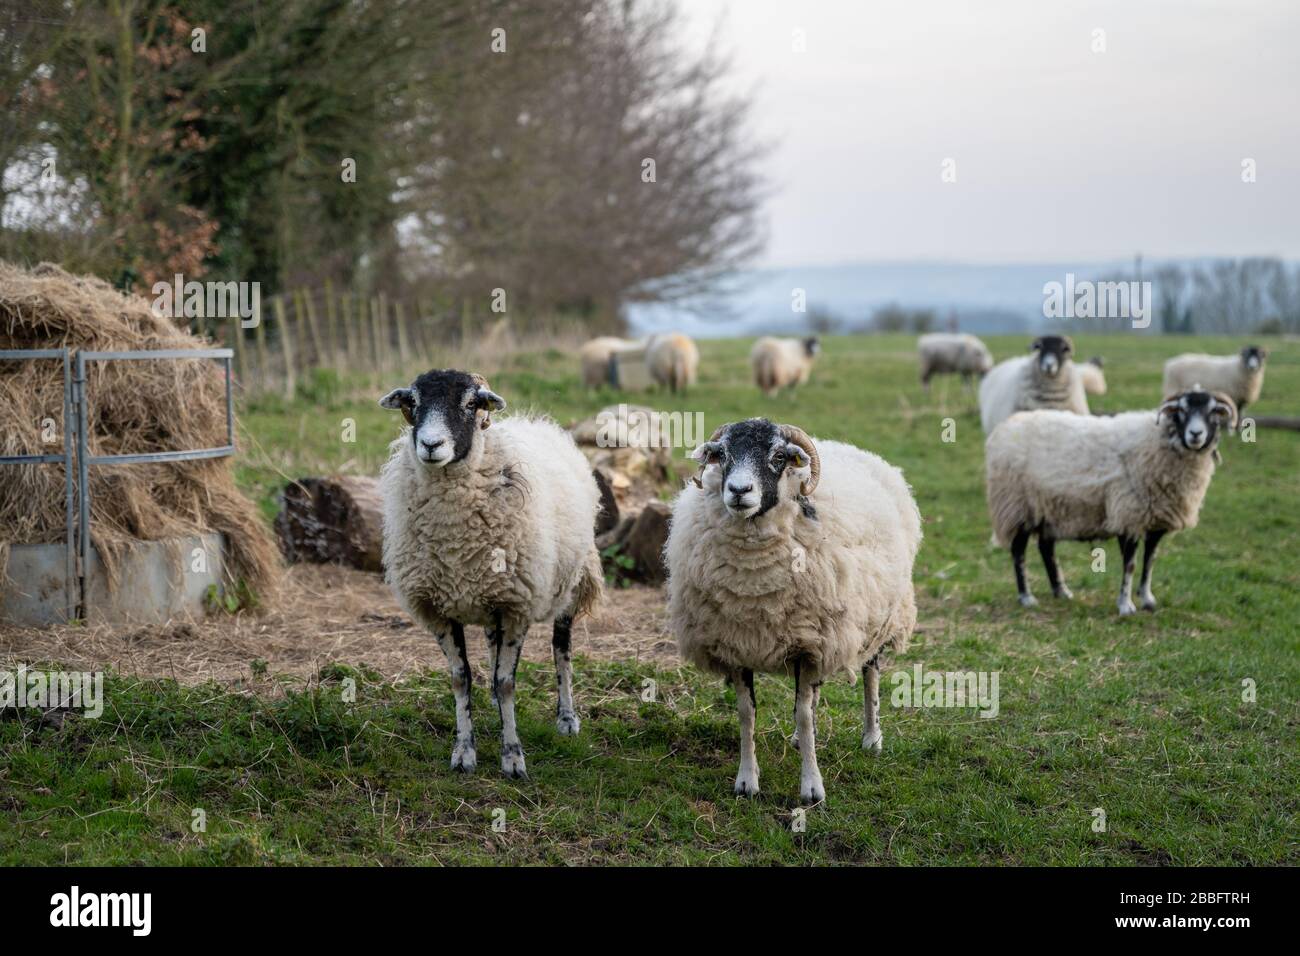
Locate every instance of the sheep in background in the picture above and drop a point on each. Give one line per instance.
(1067, 477)
(1239, 376)
(1046, 379)
(1092, 376)
(944, 353)
(782, 363)
(791, 555)
(672, 359)
(491, 527)
(595, 355)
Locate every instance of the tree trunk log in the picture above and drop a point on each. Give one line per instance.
(335, 520)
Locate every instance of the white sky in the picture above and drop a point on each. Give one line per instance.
(1061, 153)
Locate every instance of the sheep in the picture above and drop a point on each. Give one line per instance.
(782, 363)
(493, 527)
(1080, 478)
(1046, 379)
(1090, 373)
(672, 359)
(791, 555)
(1239, 376)
(594, 357)
(949, 352)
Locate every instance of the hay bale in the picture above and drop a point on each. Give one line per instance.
(133, 407)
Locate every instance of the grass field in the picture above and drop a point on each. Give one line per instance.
(1142, 718)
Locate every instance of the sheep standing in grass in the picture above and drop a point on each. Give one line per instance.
(1240, 376)
(1045, 379)
(952, 353)
(793, 556)
(491, 527)
(594, 357)
(1092, 376)
(1067, 477)
(782, 363)
(672, 360)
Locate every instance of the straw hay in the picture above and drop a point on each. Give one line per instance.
(136, 406)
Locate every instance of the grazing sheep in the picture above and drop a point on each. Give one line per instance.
(595, 355)
(1045, 379)
(1239, 376)
(672, 360)
(782, 363)
(491, 527)
(1090, 373)
(793, 556)
(1079, 478)
(951, 353)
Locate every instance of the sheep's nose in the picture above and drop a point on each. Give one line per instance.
(739, 492)
(431, 446)
(1194, 434)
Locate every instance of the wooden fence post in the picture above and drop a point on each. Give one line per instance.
(286, 344)
(263, 356)
(331, 322)
(403, 342)
(303, 305)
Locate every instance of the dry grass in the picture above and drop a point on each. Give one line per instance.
(324, 614)
(135, 407)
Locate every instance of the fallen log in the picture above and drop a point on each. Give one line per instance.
(1275, 421)
(337, 520)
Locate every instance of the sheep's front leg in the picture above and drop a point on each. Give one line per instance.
(451, 638)
(1047, 548)
(1018, 544)
(566, 716)
(742, 681)
(1148, 563)
(507, 642)
(817, 701)
(1128, 549)
(873, 741)
(806, 682)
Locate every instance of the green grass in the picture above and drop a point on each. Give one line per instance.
(1142, 717)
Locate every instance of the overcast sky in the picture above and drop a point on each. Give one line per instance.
(1060, 153)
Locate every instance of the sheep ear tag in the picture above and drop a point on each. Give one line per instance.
(797, 457)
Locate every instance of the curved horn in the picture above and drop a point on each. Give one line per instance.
(1167, 406)
(717, 433)
(1224, 400)
(797, 436)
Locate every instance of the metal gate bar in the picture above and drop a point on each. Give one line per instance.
(85, 459)
(70, 593)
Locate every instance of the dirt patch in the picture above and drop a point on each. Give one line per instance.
(326, 614)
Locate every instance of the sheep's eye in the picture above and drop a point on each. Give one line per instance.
(471, 406)
(778, 458)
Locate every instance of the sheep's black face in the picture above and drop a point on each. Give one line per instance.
(751, 457)
(1052, 351)
(812, 346)
(1195, 417)
(1252, 356)
(444, 408)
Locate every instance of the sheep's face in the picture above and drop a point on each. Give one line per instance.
(1053, 350)
(445, 409)
(751, 465)
(1252, 356)
(1193, 419)
(811, 346)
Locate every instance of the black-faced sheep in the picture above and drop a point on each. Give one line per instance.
(791, 555)
(1239, 376)
(673, 360)
(943, 353)
(782, 363)
(1045, 379)
(1135, 475)
(491, 527)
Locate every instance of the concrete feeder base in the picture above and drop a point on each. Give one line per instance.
(156, 581)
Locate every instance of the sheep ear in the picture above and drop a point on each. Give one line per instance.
(1166, 409)
(707, 452)
(399, 398)
(490, 400)
(798, 457)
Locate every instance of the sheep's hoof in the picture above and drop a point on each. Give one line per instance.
(746, 784)
(568, 724)
(811, 791)
(1149, 602)
(512, 761)
(873, 743)
(1126, 607)
(1028, 600)
(794, 740)
(1063, 593)
(463, 757)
